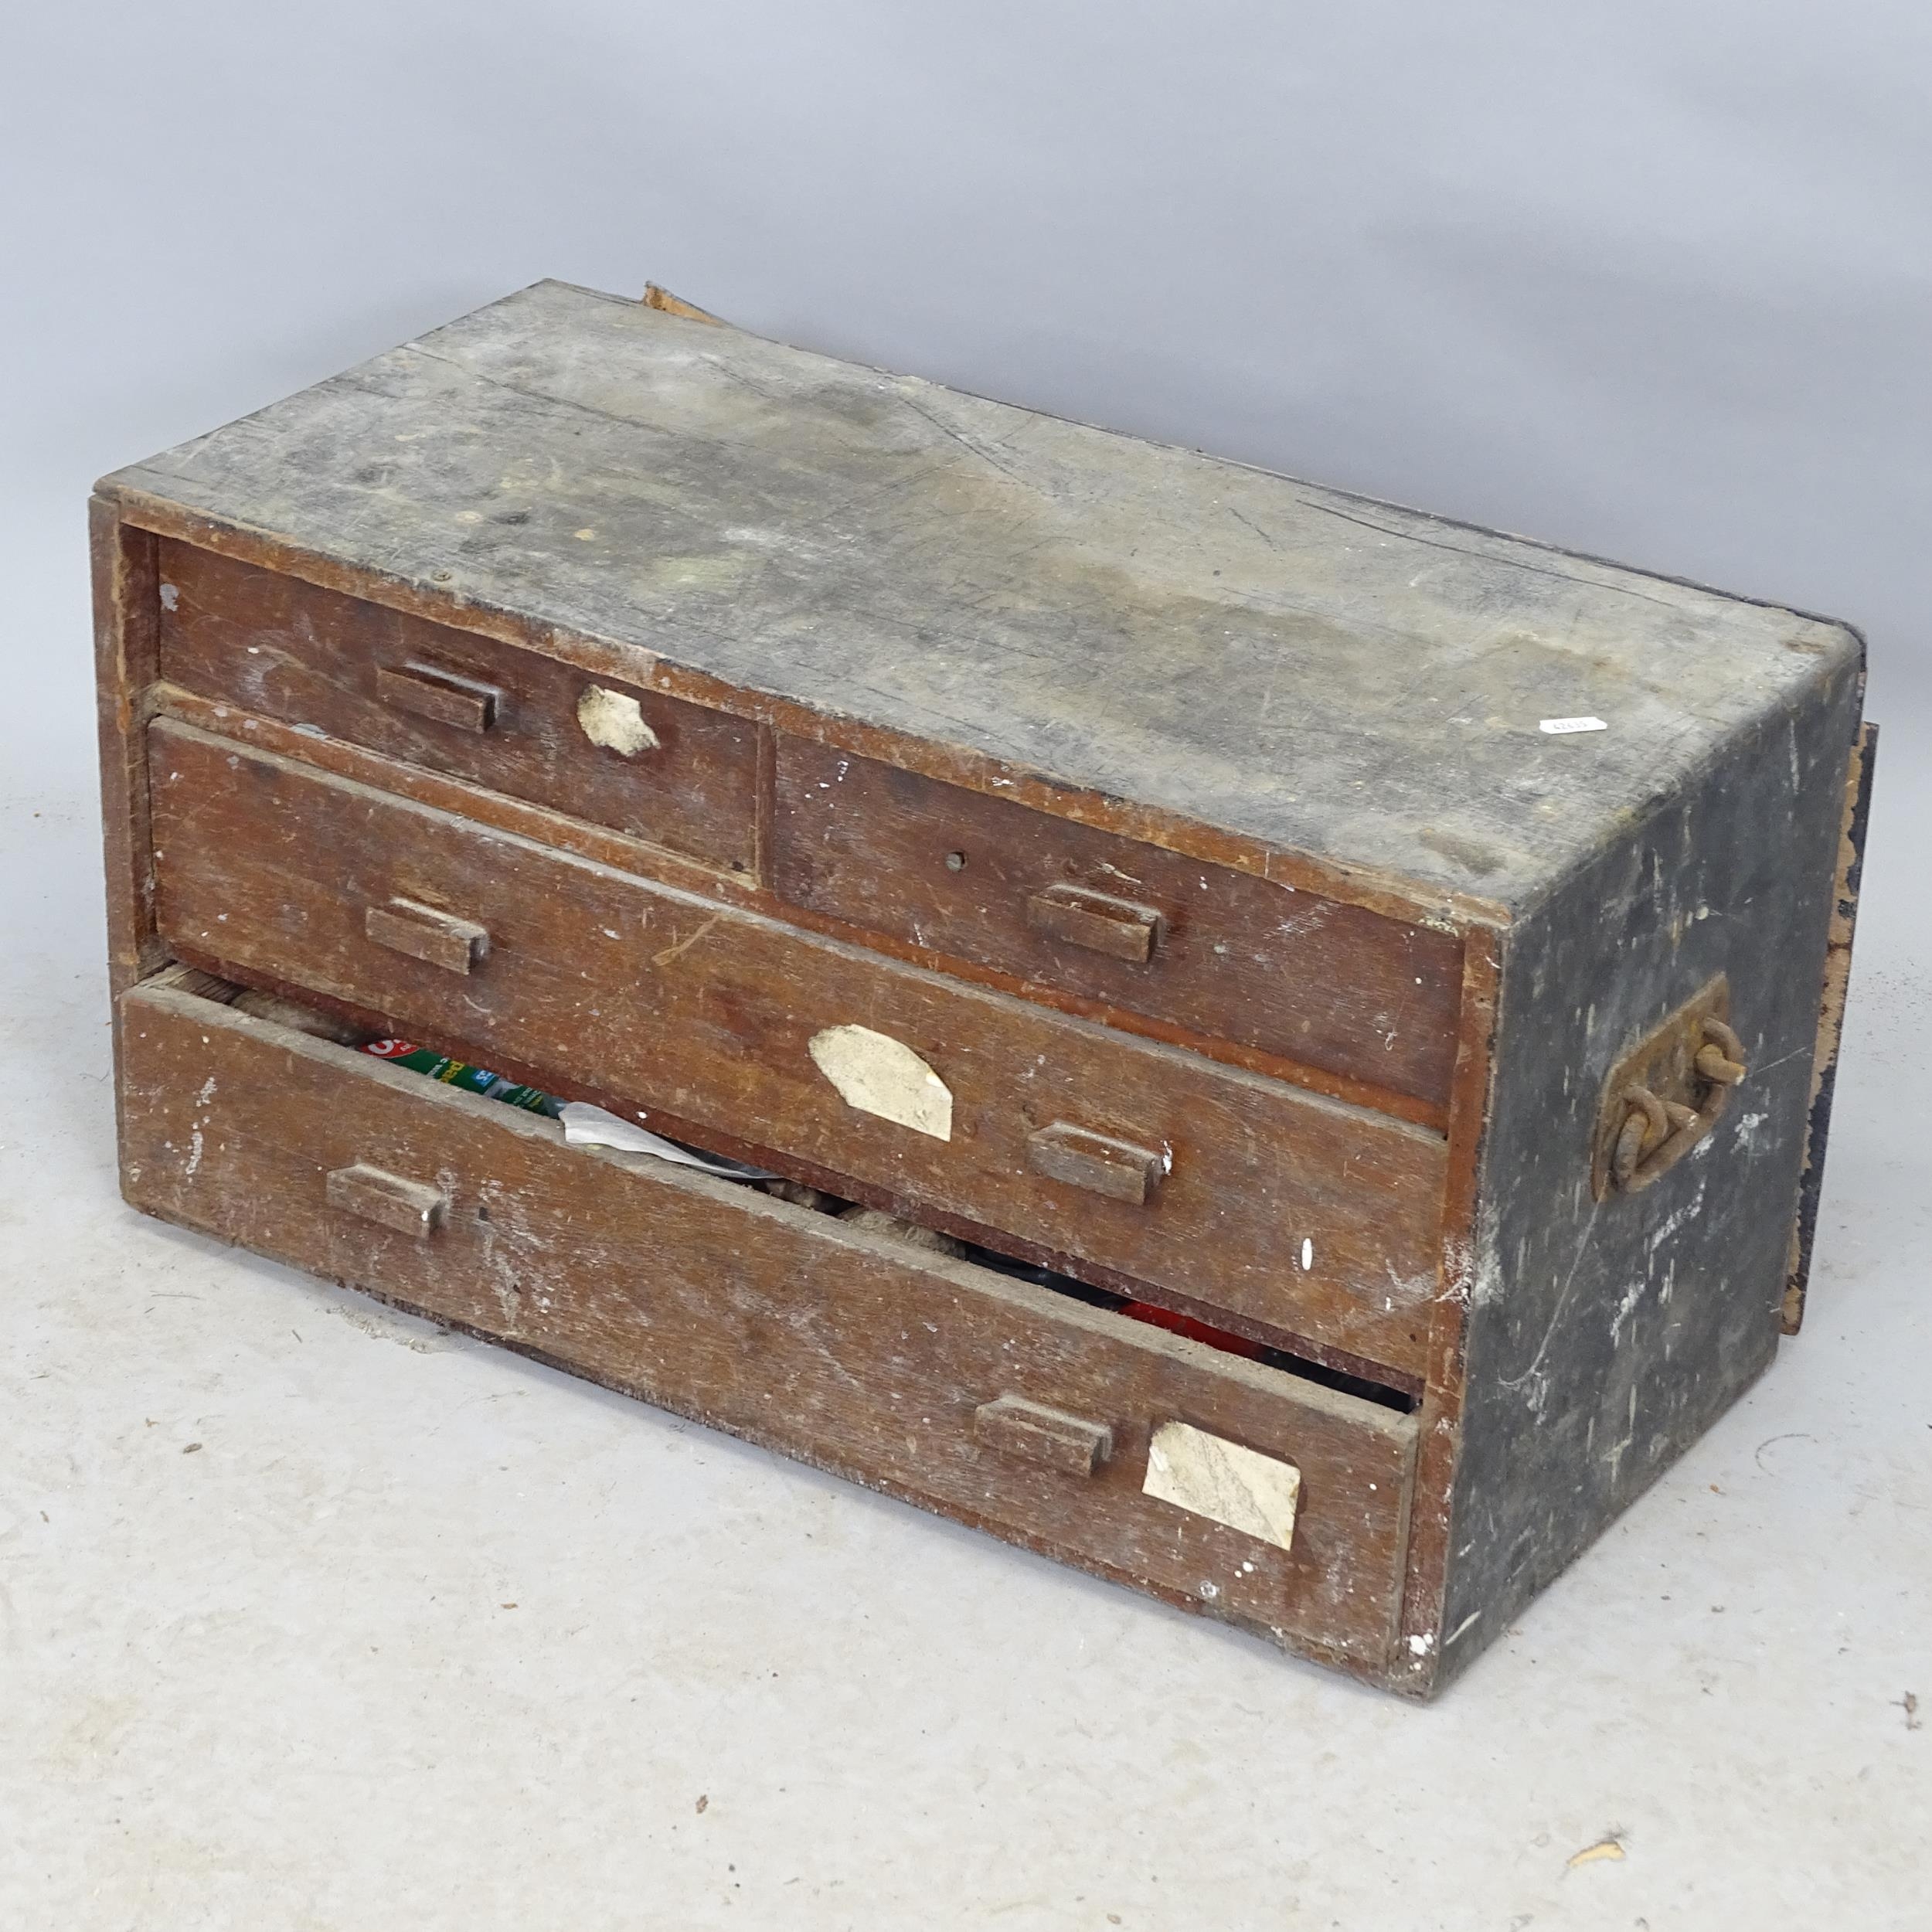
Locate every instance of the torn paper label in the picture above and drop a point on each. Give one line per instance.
(1562, 727)
(1237, 1487)
(615, 720)
(587, 1126)
(877, 1074)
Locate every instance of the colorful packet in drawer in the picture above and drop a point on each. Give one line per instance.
(455, 1072)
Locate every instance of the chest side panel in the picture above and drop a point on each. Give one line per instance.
(1608, 1330)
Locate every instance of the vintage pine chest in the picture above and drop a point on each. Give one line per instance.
(1358, 991)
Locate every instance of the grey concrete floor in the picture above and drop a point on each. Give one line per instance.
(312, 1616)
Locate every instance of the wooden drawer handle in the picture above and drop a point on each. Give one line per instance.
(422, 932)
(409, 1207)
(1101, 923)
(1034, 1432)
(429, 691)
(1101, 1164)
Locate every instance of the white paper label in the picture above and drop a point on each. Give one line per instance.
(877, 1074)
(1221, 1480)
(1562, 727)
(615, 719)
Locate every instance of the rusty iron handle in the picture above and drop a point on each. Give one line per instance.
(1657, 1134)
(1645, 1121)
(1722, 1059)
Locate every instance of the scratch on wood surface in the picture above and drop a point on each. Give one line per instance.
(1270, 542)
(684, 945)
(967, 443)
(1533, 1374)
(1485, 556)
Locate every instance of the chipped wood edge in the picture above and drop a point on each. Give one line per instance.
(127, 627)
(1419, 1654)
(1387, 893)
(1830, 1019)
(665, 303)
(126, 641)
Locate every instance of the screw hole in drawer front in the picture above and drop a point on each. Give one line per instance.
(1201, 953)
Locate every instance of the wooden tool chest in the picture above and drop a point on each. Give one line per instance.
(1294, 1037)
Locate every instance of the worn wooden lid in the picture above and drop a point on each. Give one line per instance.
(1318, 673)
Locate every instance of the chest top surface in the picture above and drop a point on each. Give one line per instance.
(1315, 670)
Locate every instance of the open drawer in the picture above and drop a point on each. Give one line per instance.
(1221, 1484)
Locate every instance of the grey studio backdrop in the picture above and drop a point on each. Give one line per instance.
(1649, 280)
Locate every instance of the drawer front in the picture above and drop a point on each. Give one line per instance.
(1224, 954)
(1316, 1219)
(991, 1400)
(655, 767)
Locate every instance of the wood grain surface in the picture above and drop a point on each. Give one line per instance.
(1349, 683)
(1233, 956)
(289, 650)
(1314, 1218)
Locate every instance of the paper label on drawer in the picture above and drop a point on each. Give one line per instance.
(877, 1074)
(616, 720)
(1221, 1480)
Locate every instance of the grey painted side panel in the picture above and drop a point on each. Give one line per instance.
(1604, 1337)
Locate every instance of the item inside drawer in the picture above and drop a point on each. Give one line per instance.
(584, 1125)
(589, 1125)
